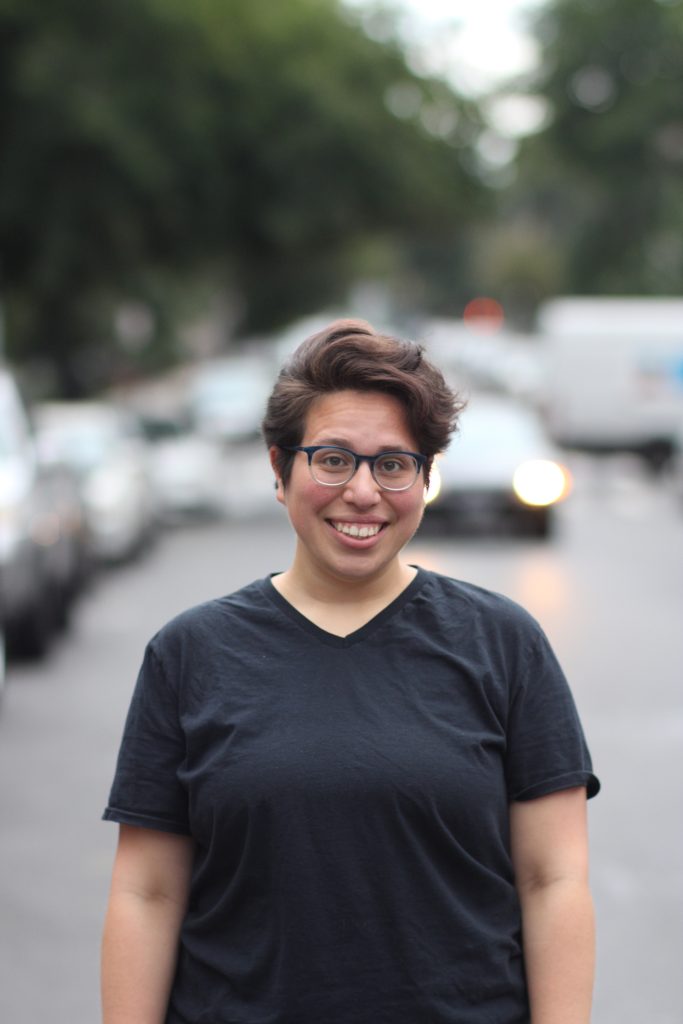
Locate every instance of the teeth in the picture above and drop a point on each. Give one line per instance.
(352, 530)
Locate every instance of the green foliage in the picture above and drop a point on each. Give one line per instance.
(145, 140)
(605, 177)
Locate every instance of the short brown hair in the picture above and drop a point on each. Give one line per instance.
(351, 355)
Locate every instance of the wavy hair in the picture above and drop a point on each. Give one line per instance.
(351, 355)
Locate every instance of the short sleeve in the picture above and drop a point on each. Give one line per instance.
(546, 747)
(146, 790)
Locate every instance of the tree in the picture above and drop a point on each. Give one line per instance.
(603, 180)
(160, 141)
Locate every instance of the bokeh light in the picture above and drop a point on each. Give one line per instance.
(484, 315)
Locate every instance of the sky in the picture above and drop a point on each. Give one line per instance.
(473, 43)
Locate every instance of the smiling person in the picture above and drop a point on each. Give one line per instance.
(353, 792)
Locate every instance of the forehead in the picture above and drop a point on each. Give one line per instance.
(358, 419)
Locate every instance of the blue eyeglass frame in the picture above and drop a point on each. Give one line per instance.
(311, 449)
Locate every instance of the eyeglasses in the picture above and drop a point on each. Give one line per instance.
(332, 466)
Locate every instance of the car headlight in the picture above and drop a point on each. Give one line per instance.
(46, 530)
(541, 482)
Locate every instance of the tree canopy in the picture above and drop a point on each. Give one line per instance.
(603, 182)
(150, 142)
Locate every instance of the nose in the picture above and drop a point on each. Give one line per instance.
(362, 489)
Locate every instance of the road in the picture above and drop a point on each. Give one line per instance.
(609, 592)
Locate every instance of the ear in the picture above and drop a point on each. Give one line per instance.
(279, 486)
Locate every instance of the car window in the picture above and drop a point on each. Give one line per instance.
(484, 429)
(83, 445)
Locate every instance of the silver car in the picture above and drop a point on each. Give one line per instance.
(104, 446)
(42, 554)
(500, 471)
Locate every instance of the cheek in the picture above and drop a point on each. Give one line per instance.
(317, 500)
(411, 500)
(306, 494)
(410, 505)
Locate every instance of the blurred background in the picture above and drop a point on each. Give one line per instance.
(186, 192)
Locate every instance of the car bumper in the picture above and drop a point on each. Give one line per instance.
(484, 508)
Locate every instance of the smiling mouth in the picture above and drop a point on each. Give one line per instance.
(360, 530)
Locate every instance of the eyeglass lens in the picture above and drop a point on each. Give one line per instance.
(393, 471)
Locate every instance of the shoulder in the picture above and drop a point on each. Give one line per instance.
(201, 624)
(485, 611)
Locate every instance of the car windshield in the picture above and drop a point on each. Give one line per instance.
(84, 445)
(237, 385)
(489, 427)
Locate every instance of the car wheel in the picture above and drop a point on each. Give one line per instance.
(30, 636)
(62, 610)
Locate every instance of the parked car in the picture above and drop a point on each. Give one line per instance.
(227, 397)
(71, 562)
(500, 470)
(104, 445)
(42, 535)
(188, 470)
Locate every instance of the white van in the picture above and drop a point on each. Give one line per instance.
(614, 374)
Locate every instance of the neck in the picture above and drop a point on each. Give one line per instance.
(305, 584)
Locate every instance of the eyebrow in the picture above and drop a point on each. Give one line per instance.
(336, 442)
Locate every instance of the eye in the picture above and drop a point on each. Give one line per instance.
(330, 459)
(392, 464)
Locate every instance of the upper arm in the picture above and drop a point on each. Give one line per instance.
(153, 864)
(549, 838)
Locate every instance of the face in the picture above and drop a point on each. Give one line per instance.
(325, 518)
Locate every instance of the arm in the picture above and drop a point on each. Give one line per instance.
(550, 855)
(149, 891)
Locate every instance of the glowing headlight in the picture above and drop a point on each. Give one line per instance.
(541, 482)
(432, 491)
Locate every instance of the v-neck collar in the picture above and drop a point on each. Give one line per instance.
(358, 635)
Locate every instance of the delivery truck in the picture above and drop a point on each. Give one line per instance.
(613, 373)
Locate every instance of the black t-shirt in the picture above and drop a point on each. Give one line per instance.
(349, 802)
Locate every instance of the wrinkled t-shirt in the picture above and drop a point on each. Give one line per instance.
(348, 799)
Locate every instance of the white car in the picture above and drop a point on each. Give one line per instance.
(188, 470)
(42, 536)
(500, 469)
(105, 447)
(227, 397)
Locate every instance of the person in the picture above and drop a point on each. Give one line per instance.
(353, 792)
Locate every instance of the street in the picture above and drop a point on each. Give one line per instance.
(608, 590)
